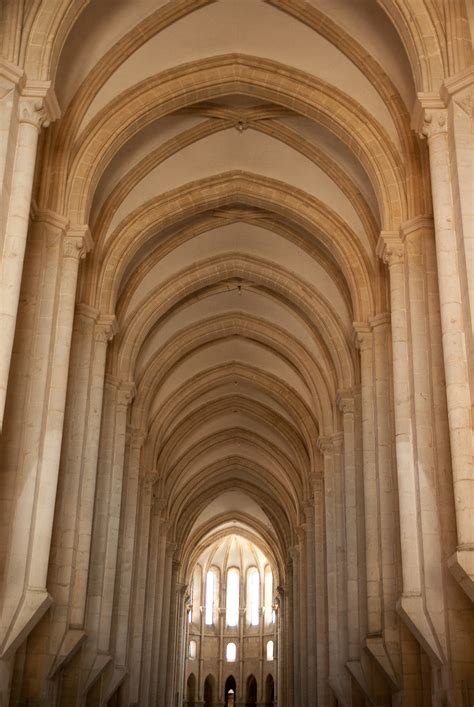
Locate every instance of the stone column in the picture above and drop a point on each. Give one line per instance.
(169, 582)
(411, 604)
(289, 649)
(12, 82)
(126, 553)
(103, 559)
(37, 107)
(322, 658)
(432, 122)
(175, 640)
(86, 460)
(311, 604)
(345, 401)
(458, 95)
(137, 623)
(124, 395)
(44, 350)
(158, 535)
(363, 339)
(296, 628)
(76, 244)
(303, 605)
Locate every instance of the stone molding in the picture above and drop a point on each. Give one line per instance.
(106, 328)
(38, 104)
(429, 115)
(416, 226)
(362, 335)
(390, 248)
(345, 402)
(11, 76)
(454, 84)
(77, 242)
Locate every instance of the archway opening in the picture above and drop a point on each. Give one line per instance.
(269, 691)
(191, 690)
(251, 690)
(209, 691)
(230, 692)
(230, 614)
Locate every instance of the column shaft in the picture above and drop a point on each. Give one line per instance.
(454, 260)
(371, 491)
(32, 114)
(43, 350)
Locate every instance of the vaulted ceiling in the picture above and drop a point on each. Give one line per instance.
(235, 161)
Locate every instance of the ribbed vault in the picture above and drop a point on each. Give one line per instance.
(234, 162)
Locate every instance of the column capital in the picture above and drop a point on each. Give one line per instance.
(137, 436)
(362, 335)
(345, 401)
(125, 393)
(429, 115)
(325, 444)
(105, 328)
(148, 478)
(308, 510)
(337, 440)
(316, 478)
(390, 248)
(77, 242)
(38, 104)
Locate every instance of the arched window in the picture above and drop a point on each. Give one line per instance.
(268, 595)
(231, 652)
(192, 650)
(270, 650)
(232, 597)
(253, 596)
(211, 594)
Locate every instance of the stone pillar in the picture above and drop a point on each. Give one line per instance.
(169, 582)
(103, 559)
(458, 96)
(331, 450)
(43, 349)
(126, 553)
(296, 628)
(432, 122)
(303, 601)
(411, 604)
(12, 82)
(345, 401)
(363, 339)
(311, 604)
(322, 658)
(137, 623)
(37, 107)
(86, 460)
(158, 534)
(177, 630)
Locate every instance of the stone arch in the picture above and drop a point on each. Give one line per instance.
(108, 268)
(219, 76)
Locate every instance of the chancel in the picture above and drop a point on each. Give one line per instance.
(236, 353)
